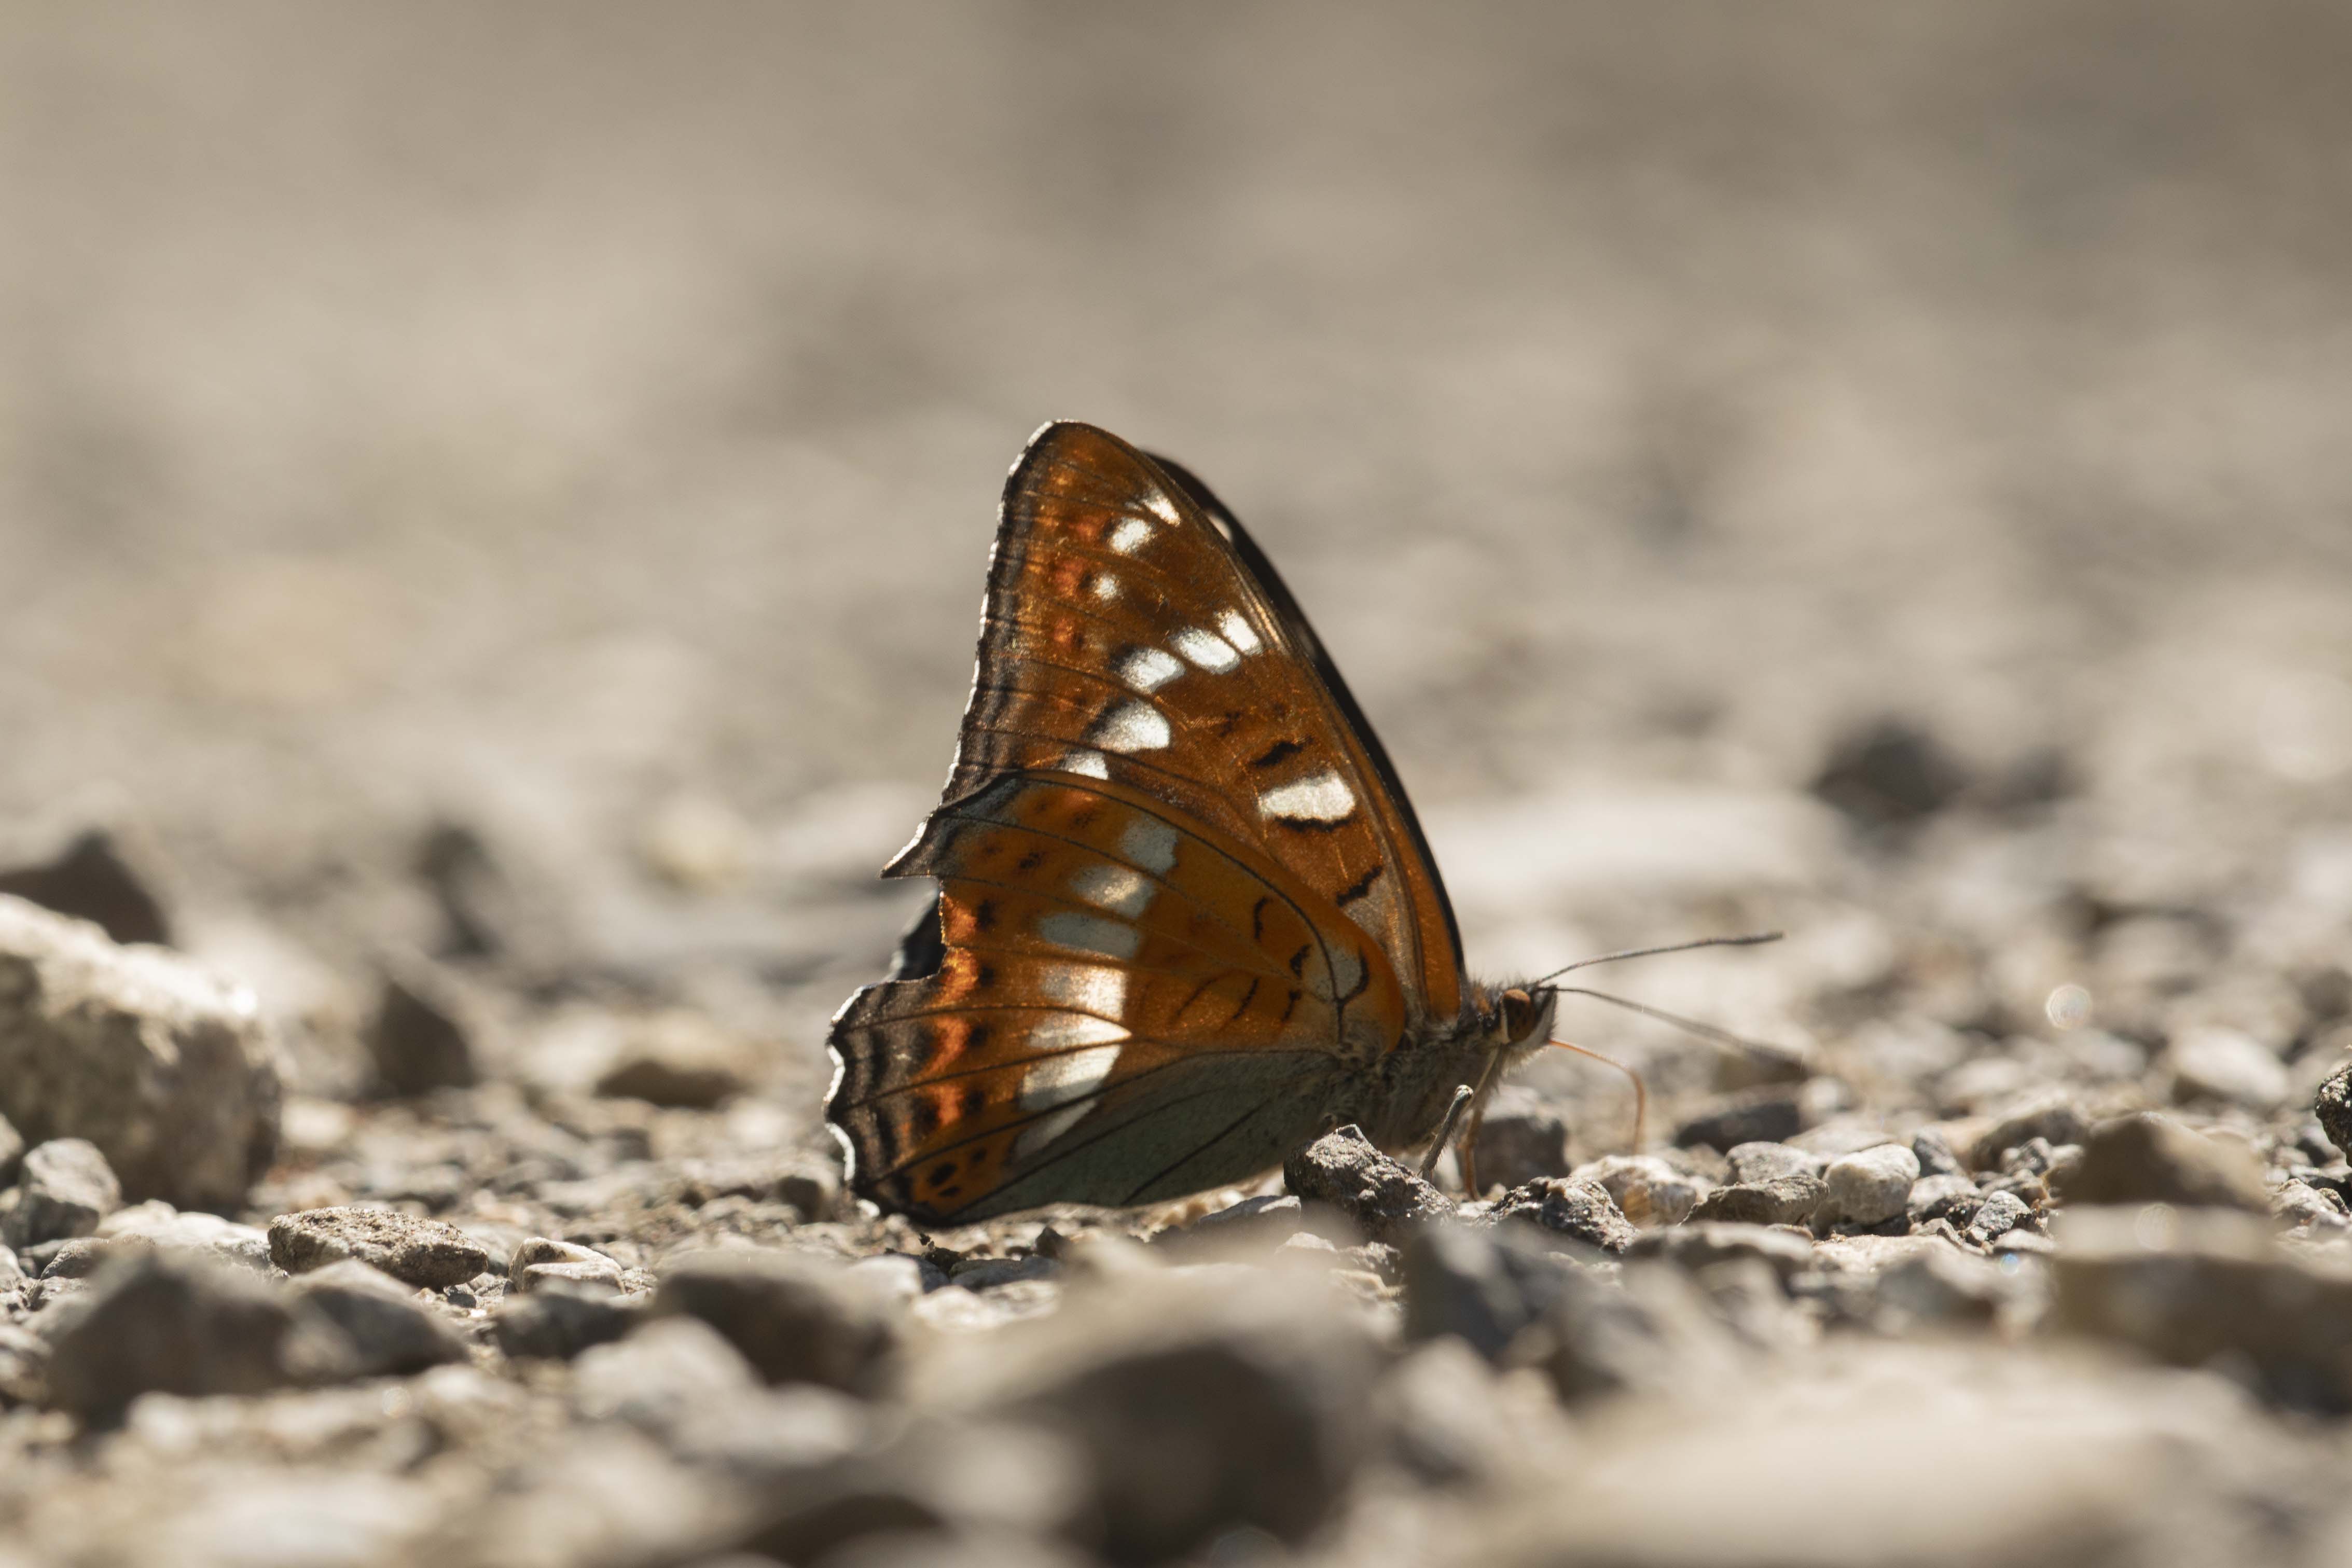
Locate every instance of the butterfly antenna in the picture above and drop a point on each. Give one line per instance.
(1445, 1131)
(1751, 939)
(1641, 1089)
(1762, 1051)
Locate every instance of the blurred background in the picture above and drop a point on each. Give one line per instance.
(1878, 469)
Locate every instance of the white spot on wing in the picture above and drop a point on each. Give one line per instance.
(1131, 535)
(1149, 669)
(1239, 631)
(1319, 798)
(1090, 934)
(1132, 726)
(1206, 649)
(1162, 509)
(1149, 843)
(1106, 586)
(1060, 1032)
(1045, 1130)
(1058, 1080)
(1090, 763)
(1114, 887)
(1089, 988)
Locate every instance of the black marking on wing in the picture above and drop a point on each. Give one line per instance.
(1257, 918)
(1359, 888)
(1247, 997)
(1280, 751)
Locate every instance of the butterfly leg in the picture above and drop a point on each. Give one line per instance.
(1445, 1131)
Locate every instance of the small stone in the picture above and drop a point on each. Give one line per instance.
(2299, 1205)
(74, 1259)
(1889, 774)
(155, 1322)
(1383, 1195)
(415, 1251)
(796, 1320)
(656, 1376)
(2056, 1118)
(390, 1332)
(2000, 1213)
(1698, 1246)
(1936, 1155)
(1199, 1411)
(557, 1322)
(1869, 1188)
(1646, 1189)
(92, 879)
(1483, 1286)
(680, 1058)
(1944, 1287)
(64, 1189)
(538, 1261)
(1752, 1164)
(1949, 1196)
(1578, 1211)
(2151, 1158)
(2189, 1285)
(2334, 1109)
(163, 1065)
(1520, 1140)
(987, 1273)
(1648, 1334)
(900, 1276)
(1771, 1114)
(1787, 1200)
(1265, 1220)
(421, 1035)
(2213, 1061)
(157, 1224)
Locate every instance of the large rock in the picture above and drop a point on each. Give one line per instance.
(163, 1064)
(1483, 1287)
(796, 1320)
(63, 1191)
(1649, 1332)
(1520, 1140)
(158, 1322)
(2148, 1158)
(413, 1250)
(1198, 1408)
(1383, 1195)
(93, 879)
(2194, 1286)
(2334, 1109)
(1580, 1210)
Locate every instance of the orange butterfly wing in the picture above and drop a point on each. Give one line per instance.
(1182, 900)
(1128, 1007)
(1132, 625)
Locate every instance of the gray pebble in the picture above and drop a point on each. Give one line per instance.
(415, 1251)
(63, 1189)
(557, 1322)
(1382, 1194)
(1753, 1164)
(1870, 1187)
(794, 1319)
(391, 1333)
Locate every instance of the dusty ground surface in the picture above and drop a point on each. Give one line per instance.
(491, 515)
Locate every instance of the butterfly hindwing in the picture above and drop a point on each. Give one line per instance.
(1095, 947)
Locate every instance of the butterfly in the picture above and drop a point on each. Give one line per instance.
(1186, 918)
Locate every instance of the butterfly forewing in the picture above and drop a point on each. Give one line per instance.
(1124, 636)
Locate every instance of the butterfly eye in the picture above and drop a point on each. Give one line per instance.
(1520, 1014)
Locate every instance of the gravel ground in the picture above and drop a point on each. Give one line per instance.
(491, 507)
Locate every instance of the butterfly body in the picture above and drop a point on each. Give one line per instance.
(1186, 918)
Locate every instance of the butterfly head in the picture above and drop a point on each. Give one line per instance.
(1518, 1020)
